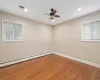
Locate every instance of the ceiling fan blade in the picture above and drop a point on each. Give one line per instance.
(57, 16)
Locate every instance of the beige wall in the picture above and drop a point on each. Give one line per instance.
(68, 40)
(37, 39)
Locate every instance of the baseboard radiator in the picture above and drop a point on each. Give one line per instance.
(7, 63)
(40, 55)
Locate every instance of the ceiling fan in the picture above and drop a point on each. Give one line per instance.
(52, 14)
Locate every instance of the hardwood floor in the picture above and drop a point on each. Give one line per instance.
(51, 67)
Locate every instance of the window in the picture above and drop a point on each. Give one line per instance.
(91, 31)
(11, 31)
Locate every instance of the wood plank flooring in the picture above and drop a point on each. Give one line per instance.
(51, 67)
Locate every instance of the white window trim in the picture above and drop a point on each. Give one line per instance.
(15, 23)
(82, 40)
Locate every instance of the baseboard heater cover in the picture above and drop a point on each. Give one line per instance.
(22, 59)
(40, 55)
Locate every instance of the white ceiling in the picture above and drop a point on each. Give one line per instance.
(67, 9)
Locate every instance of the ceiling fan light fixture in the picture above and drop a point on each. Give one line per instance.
(53, 20)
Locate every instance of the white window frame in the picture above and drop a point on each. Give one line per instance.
(3, 30)
(82, 31)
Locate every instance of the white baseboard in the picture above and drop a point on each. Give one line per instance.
(40, 55)
(79, 60)
(22, 59)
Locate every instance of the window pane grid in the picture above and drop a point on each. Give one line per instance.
(91, 31)
(11, 31)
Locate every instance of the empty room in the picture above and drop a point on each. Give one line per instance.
(49, 39)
